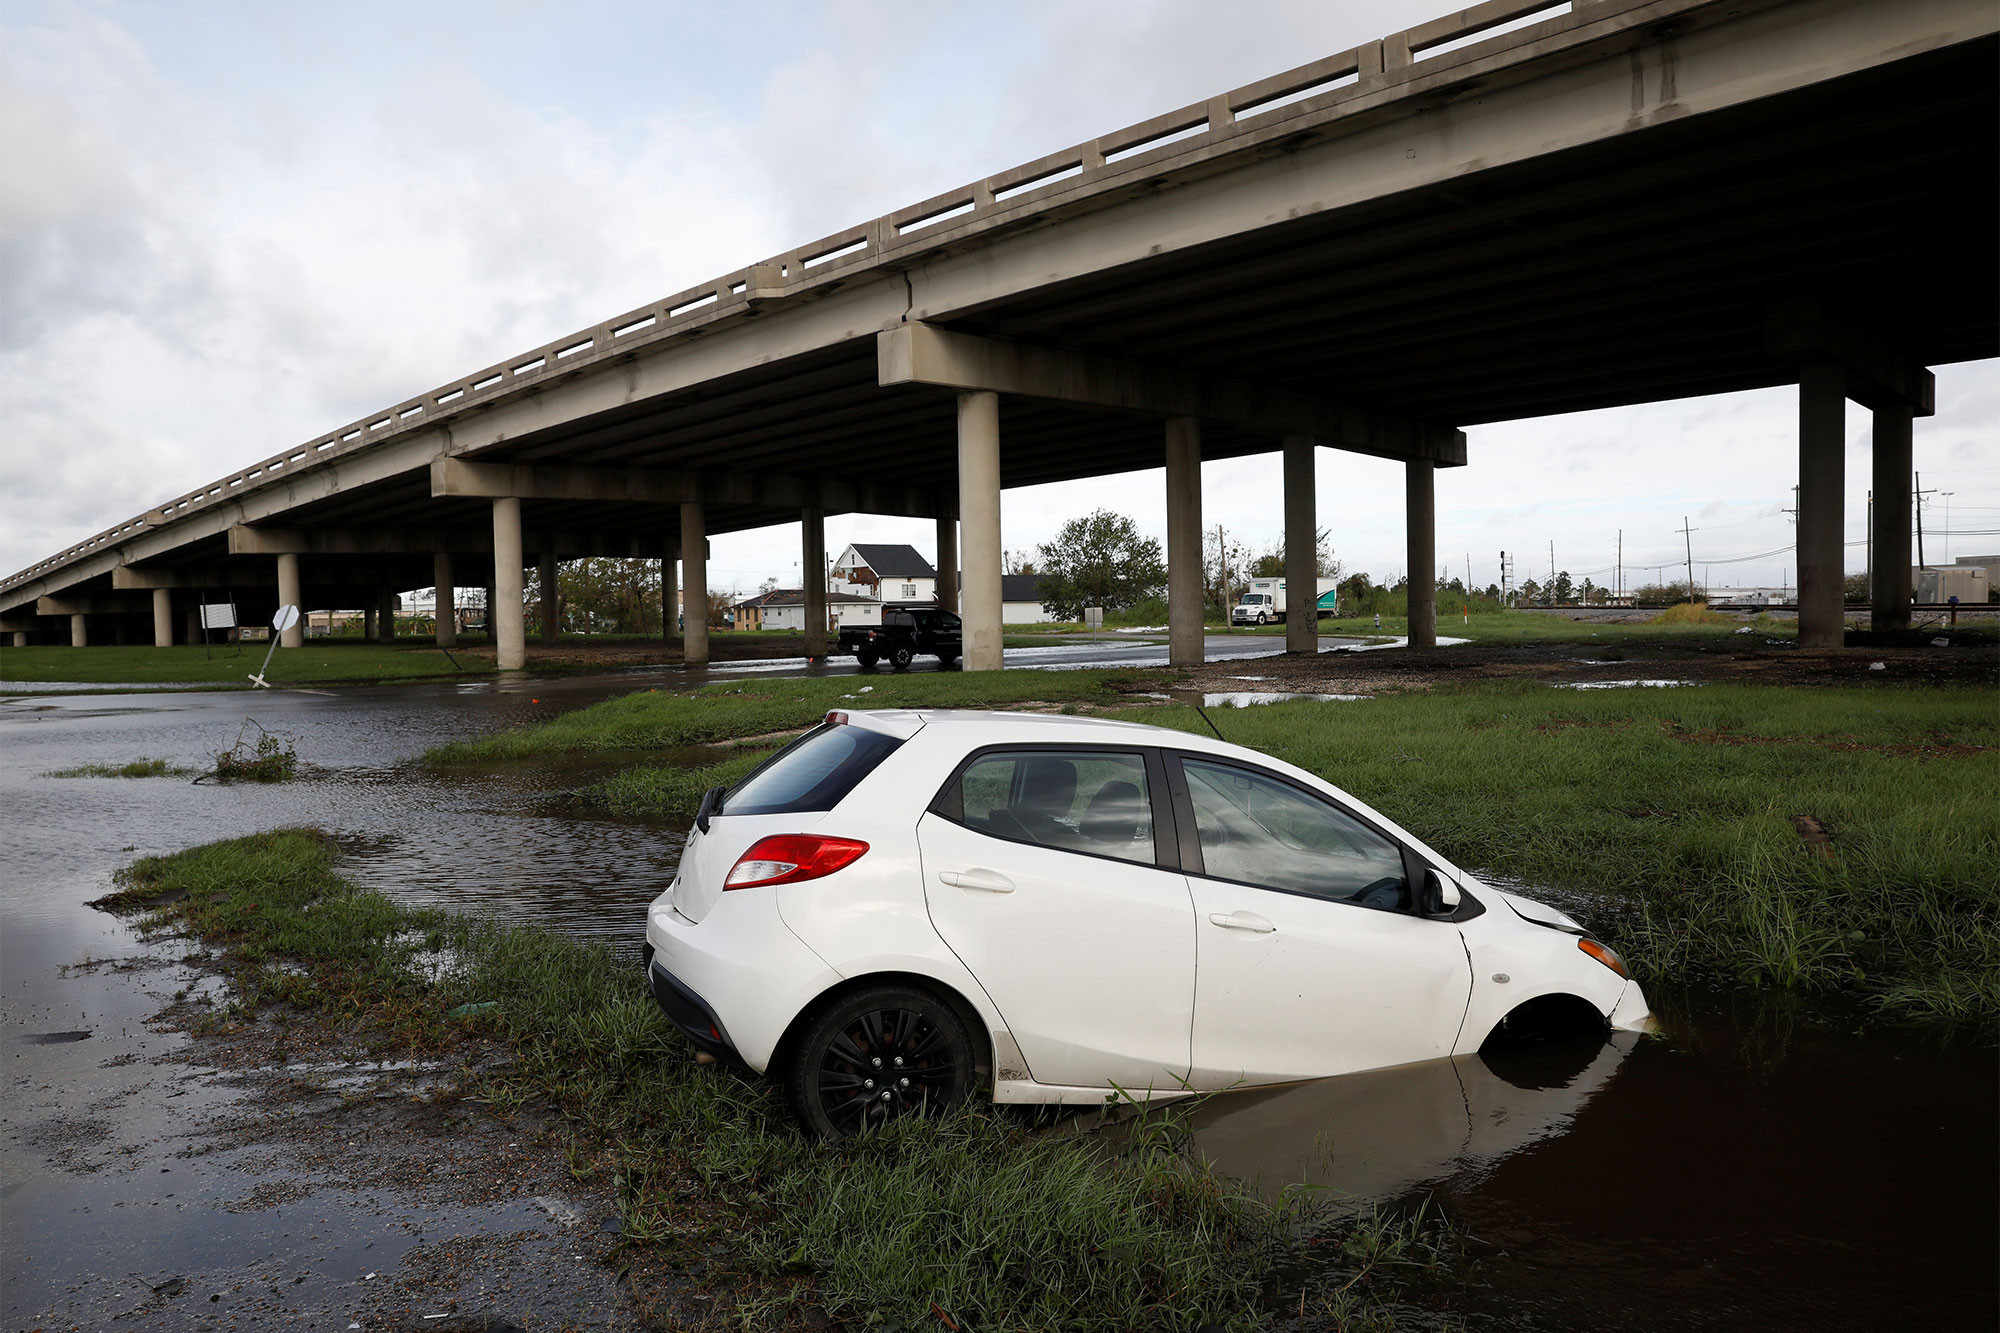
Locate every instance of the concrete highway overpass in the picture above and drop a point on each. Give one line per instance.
(1617, 203)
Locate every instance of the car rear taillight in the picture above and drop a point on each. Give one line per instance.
(787, 858)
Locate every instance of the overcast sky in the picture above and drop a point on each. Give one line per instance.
(226, 228)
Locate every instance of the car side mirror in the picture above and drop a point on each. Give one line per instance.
(1440, 894)
(711, 801)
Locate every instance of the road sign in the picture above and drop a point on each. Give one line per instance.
(287, 617)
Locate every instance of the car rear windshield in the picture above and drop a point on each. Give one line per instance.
(812, 773)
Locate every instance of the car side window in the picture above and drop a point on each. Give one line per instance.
(1256, 829)
(1073, 800)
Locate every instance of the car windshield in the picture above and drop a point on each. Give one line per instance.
(812, 773)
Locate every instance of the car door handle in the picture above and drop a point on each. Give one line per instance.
(987, 881)
(1249, 921)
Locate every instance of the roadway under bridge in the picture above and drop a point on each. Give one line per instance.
(1616, 203)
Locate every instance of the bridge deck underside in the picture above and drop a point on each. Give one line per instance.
(1639, 269)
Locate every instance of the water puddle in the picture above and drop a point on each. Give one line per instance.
(1623, 684)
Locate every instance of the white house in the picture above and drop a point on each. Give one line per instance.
(786, 609)
(893, 575)
(1021, 600)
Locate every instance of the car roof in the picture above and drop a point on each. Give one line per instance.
(973, 727)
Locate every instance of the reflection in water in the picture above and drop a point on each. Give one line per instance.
(1381, 1134)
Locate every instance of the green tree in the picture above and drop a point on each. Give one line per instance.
(601, 595)
(1102, 560)
(1564, 589)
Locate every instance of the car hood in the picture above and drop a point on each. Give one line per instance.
(1540, 914)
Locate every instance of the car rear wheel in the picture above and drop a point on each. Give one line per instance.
(868, 657)
(901, 656)
(876, 1056)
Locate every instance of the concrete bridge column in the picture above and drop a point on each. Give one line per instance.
(385, 616)
(447, 600)
(504, 614)
(979, 511)
(492, 626)
(79, 632)
(1822, 478)
(20, 638)
(694, 583)
(947, 558)
(195, 633)
(289, 594)
(812, 571)
(1301, 548)
(1184, 590)
(551, 593)
(1420, 533)
(1890, 596)
(163, 618)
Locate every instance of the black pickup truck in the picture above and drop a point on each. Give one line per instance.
(904, 633)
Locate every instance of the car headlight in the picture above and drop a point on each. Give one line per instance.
(1604, 954)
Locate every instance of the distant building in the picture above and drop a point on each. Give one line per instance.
(785, 608)
(893, 575)
(1021, 600)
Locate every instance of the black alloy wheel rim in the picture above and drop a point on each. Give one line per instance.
(883, 1064)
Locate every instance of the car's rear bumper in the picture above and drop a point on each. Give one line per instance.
(686, 1010)
(734, 983)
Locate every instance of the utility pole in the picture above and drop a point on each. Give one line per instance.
(1918, 493)
(1687, 535)
(1621, 564)
(1871, 543)
(1947, 522)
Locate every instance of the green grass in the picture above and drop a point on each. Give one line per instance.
(666, 791)
(665, 719)
(138, 768)
(1529, 627)
(321, 661)
(1000, 1228)
(1681, 803)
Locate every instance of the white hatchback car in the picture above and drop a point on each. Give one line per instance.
(901, 908)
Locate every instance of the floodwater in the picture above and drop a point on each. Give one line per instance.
(1750, 1168)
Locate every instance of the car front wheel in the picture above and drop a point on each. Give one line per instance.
(875, 1056)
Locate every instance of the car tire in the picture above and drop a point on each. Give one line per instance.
(868, 659)
(878, 1055)
(947, 660)
(901, 656)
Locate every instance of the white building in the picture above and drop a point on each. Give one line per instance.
(786, 609)
(1021, 600)
(892, 575)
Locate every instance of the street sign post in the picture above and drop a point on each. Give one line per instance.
(287, 617)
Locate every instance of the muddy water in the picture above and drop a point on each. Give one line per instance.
(1746, 1170)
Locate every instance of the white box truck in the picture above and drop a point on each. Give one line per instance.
(1263, 603)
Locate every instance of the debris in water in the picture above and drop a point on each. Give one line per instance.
(53, 1038)
(1940, 643)
(1878, 666)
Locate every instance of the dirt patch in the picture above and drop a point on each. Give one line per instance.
(1932, 748)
